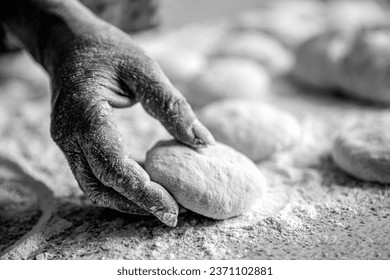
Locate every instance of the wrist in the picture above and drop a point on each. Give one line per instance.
(45, 27)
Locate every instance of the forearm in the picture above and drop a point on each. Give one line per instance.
(45, 26)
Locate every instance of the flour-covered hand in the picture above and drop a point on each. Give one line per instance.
(94, 67)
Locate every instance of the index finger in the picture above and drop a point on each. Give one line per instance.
(164, 102)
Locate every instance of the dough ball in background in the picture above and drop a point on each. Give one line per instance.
(3, 119)
(366, 66)
(227, 78)
(20, 67)
(216, 182)
(363, 150)
(291, 22)
(256, 129)
(318, 60)
(258, 47)
(180, 64)
(351, 14)
(183, 53)
(201, 37)
(140, 131)
(177, 62)
(307, 9)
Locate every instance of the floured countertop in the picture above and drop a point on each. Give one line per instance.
(311, 210)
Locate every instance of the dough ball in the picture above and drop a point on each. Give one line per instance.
(366, 67)
(227, 78)
(358, 62)
(180, 64)
(259, 47)
(290, 23)
(352, 15)
(318, 59)
(256, 129)
(217, 182)
(363, 150)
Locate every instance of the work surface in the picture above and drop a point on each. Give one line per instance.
(311, 210)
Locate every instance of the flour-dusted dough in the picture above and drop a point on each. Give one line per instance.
(256, 129)
(363, 151)
(259, 47)
(217, 182)
(366, 67)
(227, 78)
(318, 59)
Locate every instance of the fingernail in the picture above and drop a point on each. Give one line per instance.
(170, 219)
(167, 218)
(202, 135)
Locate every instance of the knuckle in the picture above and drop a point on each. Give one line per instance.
(96, 115)
(178, 103)
(109, 174)
(114, 171)
(71, 120)
(94, 197)
(92, 192)
(98, 198)
(93, 119)
(122, 173)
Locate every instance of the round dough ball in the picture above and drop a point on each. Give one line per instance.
(318, 59)
(259, 47)
(366, 67)
(227, 78)
(180, 64)
(352, 15)
(216, 182)
(363, 151)
(256, 129)
(290, 23)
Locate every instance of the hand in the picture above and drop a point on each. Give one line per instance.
(94, 71)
